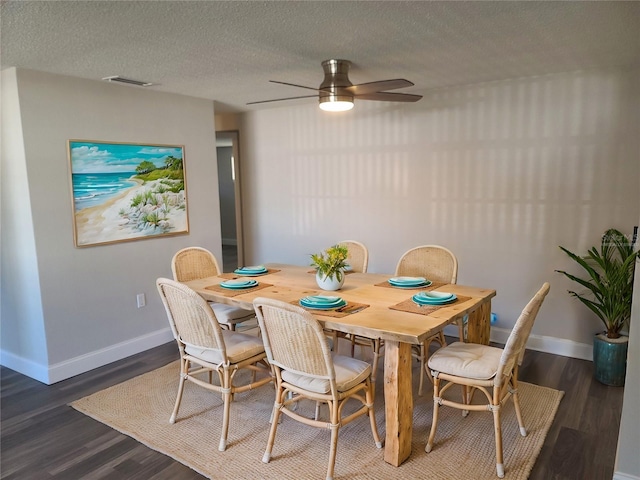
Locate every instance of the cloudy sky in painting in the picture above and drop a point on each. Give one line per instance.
(94, 157)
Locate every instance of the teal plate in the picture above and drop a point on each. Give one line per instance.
(423, 301)
(238, 284)
(317, 306)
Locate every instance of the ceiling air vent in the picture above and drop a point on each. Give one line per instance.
(118, 78)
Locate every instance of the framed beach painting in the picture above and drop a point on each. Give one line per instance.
(127, 191)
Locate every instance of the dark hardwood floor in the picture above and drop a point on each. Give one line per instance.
(43, 438)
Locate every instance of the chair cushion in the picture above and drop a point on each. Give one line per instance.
(239, 347)
(469, 360)
(349, 373)
(229, 315)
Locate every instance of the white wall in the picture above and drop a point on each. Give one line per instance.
(87, 296)
(19, 281)
(501, 173)
(627, 459)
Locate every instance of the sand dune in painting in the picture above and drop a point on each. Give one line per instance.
(117, 218)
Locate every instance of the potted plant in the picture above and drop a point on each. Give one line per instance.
(330, 266)
(609, 289)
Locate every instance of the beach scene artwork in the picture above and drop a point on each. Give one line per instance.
(126, 191)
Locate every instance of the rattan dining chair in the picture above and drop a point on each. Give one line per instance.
(493, 371)
(357, 255)
(304, 368)
(193, 263)
(358, 260)
(438, 264)
(206, 348)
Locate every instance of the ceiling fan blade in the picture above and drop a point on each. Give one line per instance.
(281, 99)
(293, 85)
(390, 97)
(380, 86)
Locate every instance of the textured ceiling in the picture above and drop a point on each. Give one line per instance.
(227, 51)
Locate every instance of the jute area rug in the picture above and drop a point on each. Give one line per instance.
(464, 449)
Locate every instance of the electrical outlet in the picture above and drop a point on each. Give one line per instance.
(142, 301)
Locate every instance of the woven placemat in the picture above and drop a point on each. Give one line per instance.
(433, 286)
(411, 307)
(229, 292)
(348, 309)
(233, 276)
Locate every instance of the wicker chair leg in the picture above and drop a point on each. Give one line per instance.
(423, 352)
(275, 419)
(516, 405)
(184, 368)
(372, 418)
(375, 347)
(227, 396)
(436, 410)
(424, 356)
(461, 336)
(498, 433)
(334, 445)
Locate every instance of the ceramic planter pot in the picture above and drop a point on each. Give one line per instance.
(610, 359)
(330, 284)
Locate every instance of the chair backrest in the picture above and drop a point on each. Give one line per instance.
(293, 339)
(357, 256)
(434, 262)
(193, 263)
(516, 343)
(192, 320)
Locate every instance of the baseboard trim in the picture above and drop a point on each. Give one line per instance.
(24, 366)
(83, 363)
(540, 343)
(50, 374)
(624, 476)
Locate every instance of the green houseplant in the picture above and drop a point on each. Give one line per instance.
(330, 266)
(608, 289)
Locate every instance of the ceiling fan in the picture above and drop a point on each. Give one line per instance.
(336, 92)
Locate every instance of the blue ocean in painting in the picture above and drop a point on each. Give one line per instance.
(91, 189)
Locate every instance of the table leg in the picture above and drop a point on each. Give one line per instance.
(480, 324)
(398, 402)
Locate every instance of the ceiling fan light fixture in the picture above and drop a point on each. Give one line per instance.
(336, 103)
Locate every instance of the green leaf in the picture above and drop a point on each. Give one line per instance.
(609, 280)
(332, 262)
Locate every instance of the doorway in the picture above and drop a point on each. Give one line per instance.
(228, 154)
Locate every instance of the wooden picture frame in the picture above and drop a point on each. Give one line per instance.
(126, 191)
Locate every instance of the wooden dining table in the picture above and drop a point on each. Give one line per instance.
(378, 311)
